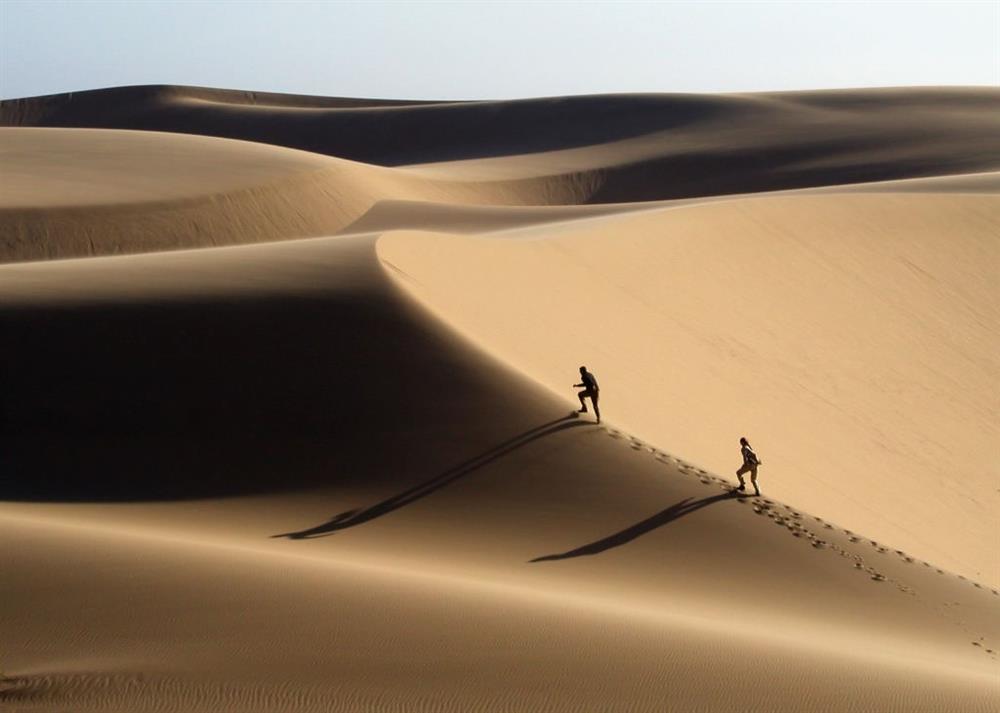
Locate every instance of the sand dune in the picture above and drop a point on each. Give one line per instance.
(483, 528)
(637, 147)
(256, 466)
(848, 311)
(78, 192)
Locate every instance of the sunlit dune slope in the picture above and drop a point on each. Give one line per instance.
(309, 445)
(852, 338)
(422, 526)
(639, 147)
(80, 192)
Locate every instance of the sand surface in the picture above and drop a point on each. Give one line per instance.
(286, 417)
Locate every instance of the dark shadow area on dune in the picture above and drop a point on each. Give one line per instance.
(797, 161)
(387, 133)
(674, 512)
(204, 396)
(810, 140)
(351, 518)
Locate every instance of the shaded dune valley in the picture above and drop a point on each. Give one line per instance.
(287, 420)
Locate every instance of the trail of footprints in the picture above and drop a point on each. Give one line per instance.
(807, 528)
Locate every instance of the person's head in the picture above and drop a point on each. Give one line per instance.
(583, 370)
(743, 442)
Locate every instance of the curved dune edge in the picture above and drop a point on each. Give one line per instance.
(70, 193)
(476, 572)
(669, 305)
(387, 215)
(632, 147)
(340, 473)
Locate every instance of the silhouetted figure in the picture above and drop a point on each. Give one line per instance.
(750, 463)
(590, 390)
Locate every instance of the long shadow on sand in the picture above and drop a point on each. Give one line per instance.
(674, 512)
(352, 518)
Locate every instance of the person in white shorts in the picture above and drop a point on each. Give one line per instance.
(750, 463)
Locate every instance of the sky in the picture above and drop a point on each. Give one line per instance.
(494, 50)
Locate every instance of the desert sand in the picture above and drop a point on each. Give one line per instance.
(287, 424)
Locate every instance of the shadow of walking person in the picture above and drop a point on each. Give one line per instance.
(352, 518)
(674, 512)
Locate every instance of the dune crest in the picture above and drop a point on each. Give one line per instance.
(310, 443)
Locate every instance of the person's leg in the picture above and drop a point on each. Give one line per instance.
(583, 404)
(597, 410)
(739, 474)
(753, 479)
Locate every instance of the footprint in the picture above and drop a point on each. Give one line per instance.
(878, 577)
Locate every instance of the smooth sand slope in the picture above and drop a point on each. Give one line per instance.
(461, 544)
(340, 473)
(623, 147)
(83, 192)
(853, 335)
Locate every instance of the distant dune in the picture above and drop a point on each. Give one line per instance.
(286, 416)
(643, 146)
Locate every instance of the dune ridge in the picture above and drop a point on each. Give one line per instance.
(308, 444)
(642, 147)
(542, 493)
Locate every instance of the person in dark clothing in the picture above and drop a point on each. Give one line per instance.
(750, 463)
(590, 390)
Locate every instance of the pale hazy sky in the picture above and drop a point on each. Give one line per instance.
(473, 50)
